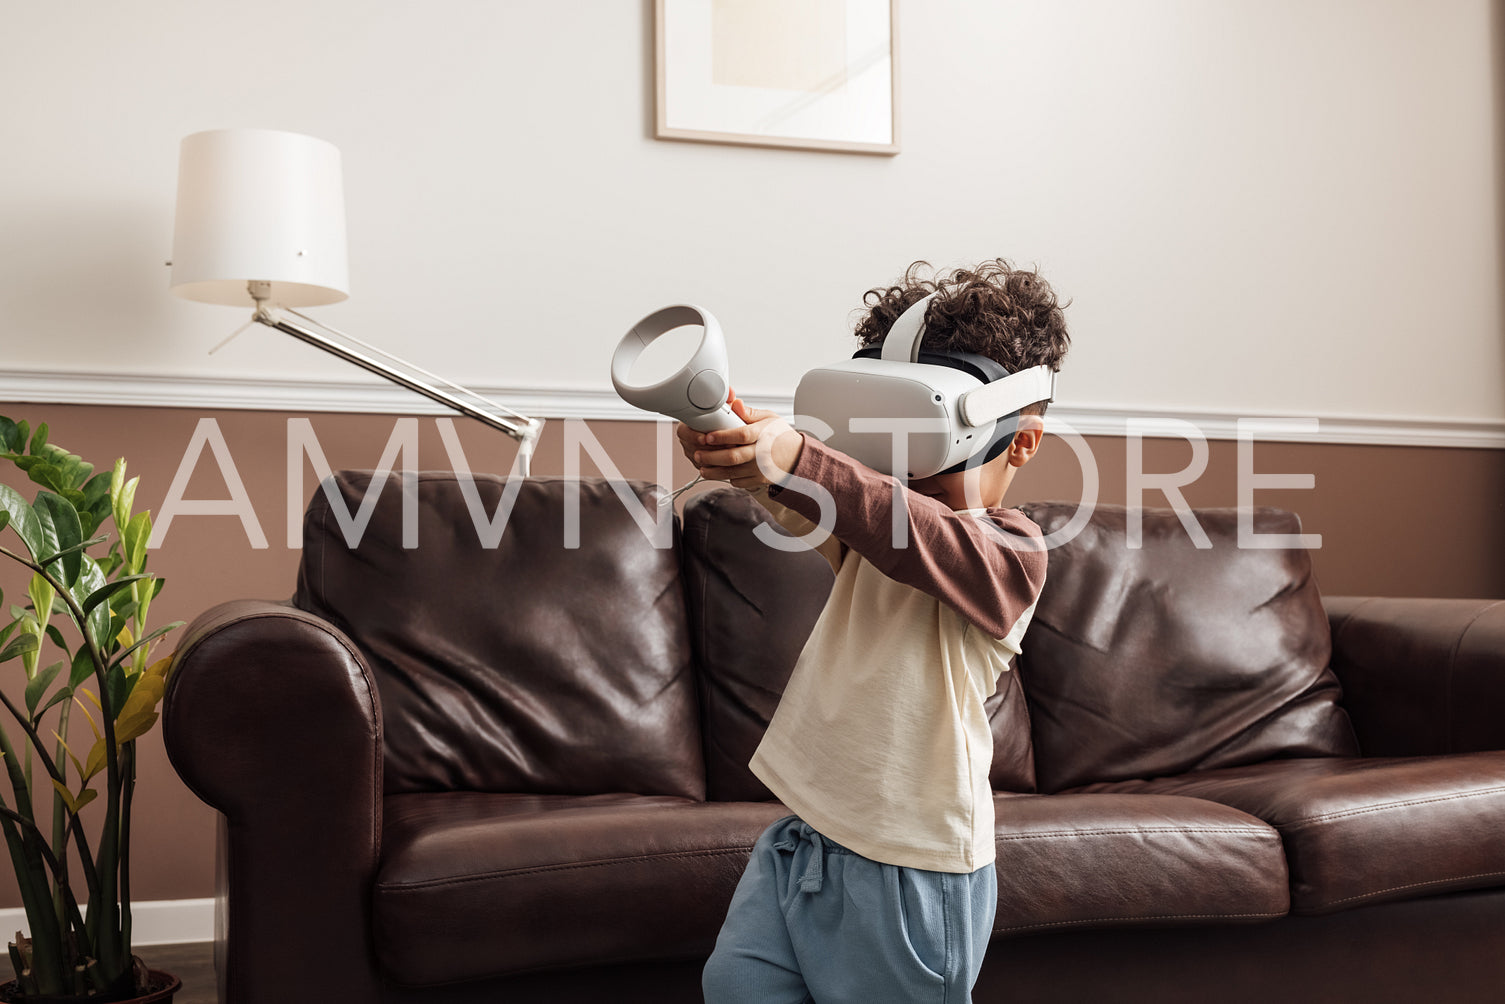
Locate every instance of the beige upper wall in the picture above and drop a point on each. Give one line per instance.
(1255, 205)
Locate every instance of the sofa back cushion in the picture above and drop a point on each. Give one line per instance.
(526, 667)
(1168, 658)
(751, 607)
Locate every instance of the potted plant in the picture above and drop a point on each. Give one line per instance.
(68, 737)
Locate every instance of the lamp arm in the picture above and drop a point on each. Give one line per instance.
(520, 427)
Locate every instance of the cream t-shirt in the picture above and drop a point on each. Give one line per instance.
(881, 741)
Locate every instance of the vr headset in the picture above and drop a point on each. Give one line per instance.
(925, 413)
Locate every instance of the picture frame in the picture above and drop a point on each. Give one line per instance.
(802, 74)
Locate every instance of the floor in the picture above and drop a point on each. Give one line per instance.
(193, 964)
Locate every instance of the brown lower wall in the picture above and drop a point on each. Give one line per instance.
(1395, 521)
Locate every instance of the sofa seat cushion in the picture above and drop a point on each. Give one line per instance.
(1365, 830)
(477, 884)
(1098, 860)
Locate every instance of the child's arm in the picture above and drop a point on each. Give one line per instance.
(692, 442)
(988, 568)
(983, 567)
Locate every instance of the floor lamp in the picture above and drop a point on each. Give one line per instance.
(261, 223)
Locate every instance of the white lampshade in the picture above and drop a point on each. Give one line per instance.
(264, 205)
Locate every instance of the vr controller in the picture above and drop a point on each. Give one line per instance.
(936, 412)
(695, 394)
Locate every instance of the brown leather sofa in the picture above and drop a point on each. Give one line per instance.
(458, 773)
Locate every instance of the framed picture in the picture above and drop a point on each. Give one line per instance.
(812, 74)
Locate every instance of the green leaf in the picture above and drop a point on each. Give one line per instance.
(69, 533)
(20, 646)
(46, 532)
(49, 476)
(10, 436)
(73, 470)
(122, 495)
(104, 592)
(23, 519)
(82, 545)
(39, 684)
(96, 503)
(120, 656)
(134, 537)
(39, 440)
(59, 695)
(121, 683)
(4, 518)
(42, 595)
(129, 610)
(83, 667)
(112, 561)
(97, 621)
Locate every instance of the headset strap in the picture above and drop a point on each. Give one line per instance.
(902, 343)
(987, 403)
(992, 401)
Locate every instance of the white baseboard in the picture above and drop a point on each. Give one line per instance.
(156, 922)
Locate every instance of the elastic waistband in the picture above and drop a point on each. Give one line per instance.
(795, 831)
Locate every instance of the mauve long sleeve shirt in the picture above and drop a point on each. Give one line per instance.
(880, 740)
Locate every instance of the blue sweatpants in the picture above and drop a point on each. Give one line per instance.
(814, 922)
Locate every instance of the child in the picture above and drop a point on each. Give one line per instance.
(881, 887)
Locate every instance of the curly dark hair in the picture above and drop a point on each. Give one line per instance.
(1009, 315)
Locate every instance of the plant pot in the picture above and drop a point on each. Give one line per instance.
(159, 991)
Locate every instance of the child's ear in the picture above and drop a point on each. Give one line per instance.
(1027, 439)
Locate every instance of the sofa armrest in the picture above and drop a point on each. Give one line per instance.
(1421, 676)
(272, 717)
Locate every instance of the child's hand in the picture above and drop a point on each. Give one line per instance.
(761, 452)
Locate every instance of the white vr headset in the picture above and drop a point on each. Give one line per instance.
(923, 413)
(893, 408)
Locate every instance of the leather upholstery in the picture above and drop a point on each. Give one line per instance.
(272, 717)
(1421, 675)
(1094, 860)
(1362, 830)
(1438, 950)
(751, 608)
(475, 884)
(596, 879)
(527, 667)
(1166, 658)
(539, 832)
